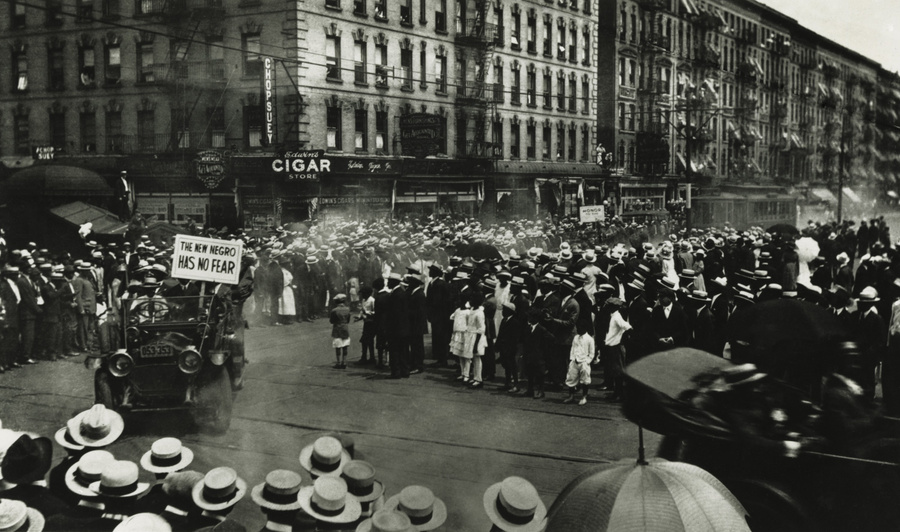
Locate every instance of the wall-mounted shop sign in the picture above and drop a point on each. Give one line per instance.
(421, 134)
(367, 165)
(301, 165)
(210, 168)
(44, 153)
(268, 89)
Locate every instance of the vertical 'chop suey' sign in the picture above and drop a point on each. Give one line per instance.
(269, 100)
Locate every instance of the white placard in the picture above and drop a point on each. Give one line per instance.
(592, 213)
(207, 259)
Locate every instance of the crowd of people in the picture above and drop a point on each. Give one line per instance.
(92, 489)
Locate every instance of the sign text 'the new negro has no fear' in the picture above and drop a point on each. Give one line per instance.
(207, 259)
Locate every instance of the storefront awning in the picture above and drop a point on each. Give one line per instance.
(823, 194)
(848, 192)
(102, 221)
(56, 180)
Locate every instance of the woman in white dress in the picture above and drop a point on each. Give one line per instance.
(286, 308)
(476, 340)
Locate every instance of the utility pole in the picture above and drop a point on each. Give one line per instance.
(688, 177)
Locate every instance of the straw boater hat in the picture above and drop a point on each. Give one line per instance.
(144, 522)
(387, 521)
(167, 455)
(327, 500)
(86, 471)
(119, 479)
(700, 296)
(515, 506)
(868, 295)
(324, 457)
(221, 488)
(96, 427)
(426, 511)
(16, 516)
(279, 491)
(361, 483)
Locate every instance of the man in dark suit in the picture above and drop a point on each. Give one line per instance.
(585, 304)
(86, 306)
(51, 292)
(439, 306)
(29, 312)
(382, 317)
(562, 325)
(639, 313)
(9, 328)
(871, 337)
(668, 322)
(701, 323)
(418, 322)
(186, 301)
(509, 340)
(398, 327)
(536, 341)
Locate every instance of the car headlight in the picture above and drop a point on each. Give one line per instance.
(203, 330)
(189, 361)
(217, 357)
(133, 334)
(120, 363)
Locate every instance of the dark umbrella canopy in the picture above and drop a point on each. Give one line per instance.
(480, 250)
(783, 229)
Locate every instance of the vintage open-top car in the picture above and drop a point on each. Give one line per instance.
(180, 353)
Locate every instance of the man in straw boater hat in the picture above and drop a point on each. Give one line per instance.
(96, 427)
(166, 455)
(278, 498)
(74, 451)
(701, 322)
(398, 327)
(513, 505)
(16, 516)
(871, 336)
(418, 319)
(324, 457)
(387, 521)
(330, 504)
(439, 306)
(217, 493)
(361, 483)
(425, 511)
(668, 321)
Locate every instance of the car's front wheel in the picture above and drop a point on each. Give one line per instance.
(214, 402)
(103, 393)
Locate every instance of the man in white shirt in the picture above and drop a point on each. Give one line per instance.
(613, 350)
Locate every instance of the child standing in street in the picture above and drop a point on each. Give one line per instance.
(580, 365)
(340, 330)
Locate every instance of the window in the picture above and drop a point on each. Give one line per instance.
(253, 125)
(546, 139)
(561, 40)
(497, 95)
(548, 36)
(622, 71)
(110, 9)
(531, 95)
(515, 137)
(146, 129)
(21, 133)
(333, 135)
(56, 74)
(18, 15)
(461, 126)
(54, 13)
(532, 32)
(573, 44)
(113, 64)
(406, 71)
(530, 134)
(515, 38)
(381, 132)
(361, 133)
(359, 62)
(20, 74)
(381, 10)
(359, 7)
(586, 46)
(632, 68)
(572, 147)
(215, 53)
(585, 96)
(333, 58)
(406, 16)
(573, 98)
(498, 16)
(585, 143)
(440, 74)
(88, 132)
(145, 70)
(548, 88)
(250, 44)
(113, 121)
(440, 16)
(497, 137)
(621, 110)
(181, 133)
(631, 114)
(86, 69)
(560, 141)
(381, 68)
(561, 91)
(423, 69)
(516, 89)
(334, 4)
(216, 127)
(85, 10)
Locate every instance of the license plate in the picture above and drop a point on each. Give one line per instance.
(156, 351)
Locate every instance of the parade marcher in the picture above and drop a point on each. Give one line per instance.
(668, 321)
(329, 503)
(563, 325)
(871, 337)
(382, 316)
(579, 371)
(278, 498)
(339, 317)
(439, 305)
(361, 483)
(536, 343)
(425, 511)
(217, 493)
(418, 321)
(514, 505)
(86, 307)
(509, 338)
(700, 320)
(166, 456)
(398, 330)
(367, 315)
(613, 350)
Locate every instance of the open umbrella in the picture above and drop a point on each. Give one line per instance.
(654, 495)
(783, 229)
(480, 250)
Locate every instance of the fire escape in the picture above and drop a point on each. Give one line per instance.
(703, 96)
(779, 94)
(831, 100)
(651, 144)
(746, 135)
(476, 100)
(192, 72)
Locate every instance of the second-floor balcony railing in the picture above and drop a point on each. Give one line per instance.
(657, 41)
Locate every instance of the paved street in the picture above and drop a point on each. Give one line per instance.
(423, 430)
